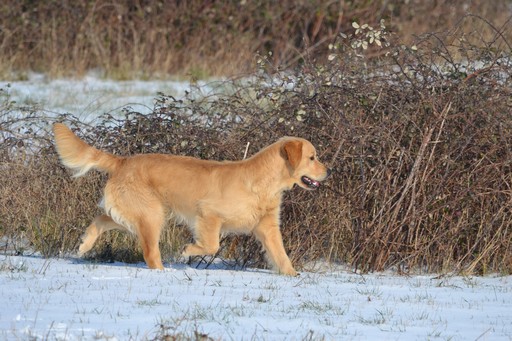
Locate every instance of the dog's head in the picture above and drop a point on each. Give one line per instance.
(302, 161)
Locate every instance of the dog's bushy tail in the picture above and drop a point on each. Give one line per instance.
(79, 156)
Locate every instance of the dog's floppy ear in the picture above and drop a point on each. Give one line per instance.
(293, 152)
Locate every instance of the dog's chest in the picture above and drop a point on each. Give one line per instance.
(238, 205)
(244, 215)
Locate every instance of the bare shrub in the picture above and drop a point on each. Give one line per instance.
(419, 139)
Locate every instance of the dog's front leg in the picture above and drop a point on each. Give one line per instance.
(268, 233)
(207, 234)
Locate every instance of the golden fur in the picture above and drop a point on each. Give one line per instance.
(210, 197)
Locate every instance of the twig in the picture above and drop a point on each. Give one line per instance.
(483, 334)
(246, 150)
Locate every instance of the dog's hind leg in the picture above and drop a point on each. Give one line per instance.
(100, 224)
(149, 229)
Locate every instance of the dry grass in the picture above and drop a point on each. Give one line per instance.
(419, 137)
(127, 39)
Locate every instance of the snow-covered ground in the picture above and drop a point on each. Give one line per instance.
(70, 299)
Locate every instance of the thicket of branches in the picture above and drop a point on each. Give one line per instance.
(419, 139)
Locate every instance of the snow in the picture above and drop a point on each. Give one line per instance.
(91, 96)
(72, 299)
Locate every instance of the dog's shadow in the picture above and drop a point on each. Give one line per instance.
(180, 264)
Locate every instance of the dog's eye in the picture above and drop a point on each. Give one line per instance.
(312, 158)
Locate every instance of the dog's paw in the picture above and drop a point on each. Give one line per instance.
(181, 259)
(84, 247)
(185, 252)
(80, 252)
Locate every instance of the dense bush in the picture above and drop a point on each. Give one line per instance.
(419, 138)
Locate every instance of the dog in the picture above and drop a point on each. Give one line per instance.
(211, 197)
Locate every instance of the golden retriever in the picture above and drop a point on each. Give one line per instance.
(211, 197)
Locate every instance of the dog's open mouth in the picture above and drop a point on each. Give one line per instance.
(313, 184)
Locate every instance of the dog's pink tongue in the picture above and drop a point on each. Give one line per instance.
(311, 183)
